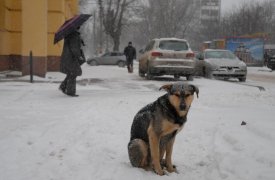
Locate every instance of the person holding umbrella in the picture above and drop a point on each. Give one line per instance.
(72, 55)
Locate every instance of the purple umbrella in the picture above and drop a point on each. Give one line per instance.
(69, 26)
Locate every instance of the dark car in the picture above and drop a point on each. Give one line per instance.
(271, 62)
(109, 58)
(221, 64)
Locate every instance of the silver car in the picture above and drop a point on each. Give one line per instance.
(221, 64)
(167, 56)
(109, 58)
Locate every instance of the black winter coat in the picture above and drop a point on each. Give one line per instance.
(130, 52)
(71, 55)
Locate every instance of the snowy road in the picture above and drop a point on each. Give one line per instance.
(46, 135)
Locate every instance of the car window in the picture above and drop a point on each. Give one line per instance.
(150, 46)
(173, 45)
(106, 54)
(113, 54)
(219, 55)
(230, 55)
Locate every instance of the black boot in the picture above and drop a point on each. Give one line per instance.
(73, 95)
(63, 85)
(131, 69)
(71, 86)
(62, 88)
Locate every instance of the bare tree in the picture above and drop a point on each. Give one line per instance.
(249, 19)
(112, 14)
(165, 18)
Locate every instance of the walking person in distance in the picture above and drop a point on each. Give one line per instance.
(130, 53)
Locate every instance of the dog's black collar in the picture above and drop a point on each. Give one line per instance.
(170, 110)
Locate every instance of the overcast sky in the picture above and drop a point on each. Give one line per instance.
(229, 4)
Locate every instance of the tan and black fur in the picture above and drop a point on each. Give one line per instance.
(155, 127)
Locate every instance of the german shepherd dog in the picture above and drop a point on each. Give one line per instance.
(155, 127)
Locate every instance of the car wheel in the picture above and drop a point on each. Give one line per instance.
(243, 79)
(204, 72)
(93, 63)
(121, 64)
(176, 77)
(208, 74)
(149, 76)
(189, 78)
(141, 73)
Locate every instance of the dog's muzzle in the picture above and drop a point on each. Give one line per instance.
(182, 107)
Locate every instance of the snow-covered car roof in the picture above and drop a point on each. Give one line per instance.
(167, 39)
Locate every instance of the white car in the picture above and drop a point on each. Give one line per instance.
(221, 64)
(109, 58)
(167, 56)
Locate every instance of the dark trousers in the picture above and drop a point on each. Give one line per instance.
(130, 65)
(68, 86)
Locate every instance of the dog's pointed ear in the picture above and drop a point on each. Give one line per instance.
(195, 89)
(166, 87)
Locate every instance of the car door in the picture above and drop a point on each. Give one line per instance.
(145, 55)
(113, 58)
(105, 59)
(120, 57)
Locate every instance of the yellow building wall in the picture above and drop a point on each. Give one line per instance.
(24, 28)
(10, 27)
(14, 28)
(58, 12)
(2, 14)
(13, 4)
(34, 27)
(56, 17)
(11, 24)
(71, 8)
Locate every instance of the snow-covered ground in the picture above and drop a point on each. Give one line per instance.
(45, 135)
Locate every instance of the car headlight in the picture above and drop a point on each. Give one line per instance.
(242, 65)
(214, 67)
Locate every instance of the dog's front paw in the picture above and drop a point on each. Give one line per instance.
(171, 169)
(159, 172)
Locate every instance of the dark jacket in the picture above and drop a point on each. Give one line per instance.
(72, 55)
(266, 56)
(130, 52)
